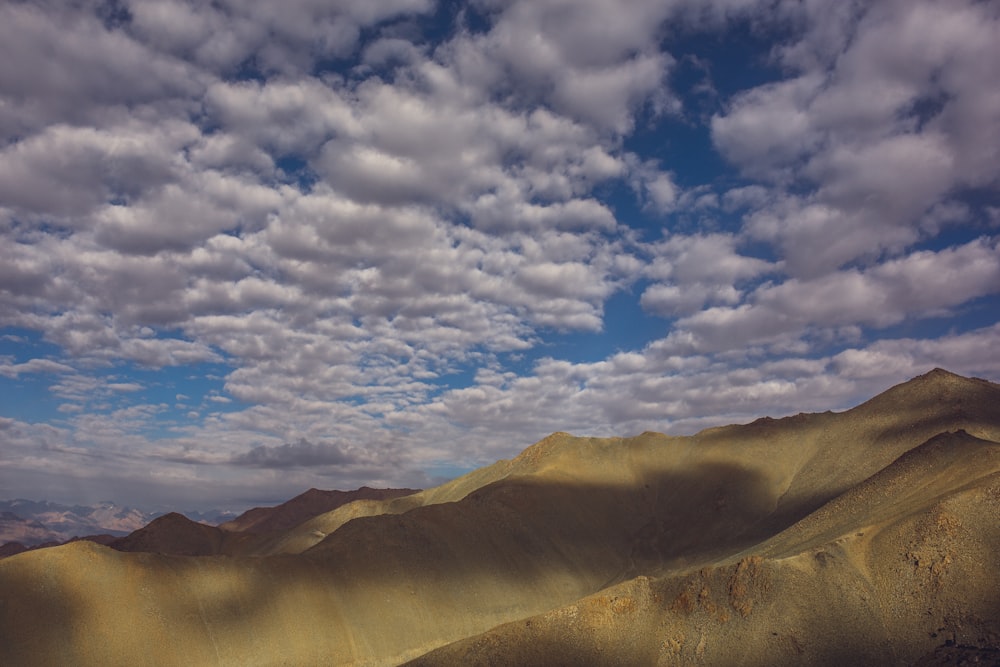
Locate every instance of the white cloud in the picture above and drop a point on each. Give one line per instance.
(59, 65)
(223, 35)
(673, 299)
(695, 271)
(281, 116)
(33, 366)
(593, 61)
(876, 127)
(704, 258)
(349, 219)
(769, 129)
(923, 284)
(70, 171)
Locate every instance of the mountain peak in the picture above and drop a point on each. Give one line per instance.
(938, 387)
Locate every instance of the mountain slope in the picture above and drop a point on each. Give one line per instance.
(881, 575)
(777, 535)
(175, 534)
(809, 458)
(305, 506)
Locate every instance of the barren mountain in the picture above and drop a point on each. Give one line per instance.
(175, 534)
(305, 506)
(867, 537)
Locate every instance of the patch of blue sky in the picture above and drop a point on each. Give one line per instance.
(444, 471)
(427, 29)
(456, 377)
(968, 215)
(737, 59)
(682, 146)
(709, 69)
(179, 391)
(180, 395)
(249, 70)
(190, 384)
(295, 170)
(629, 210)
(27, 397)
(113, 13)
(951, 236)
(22, 345)
(627, 328)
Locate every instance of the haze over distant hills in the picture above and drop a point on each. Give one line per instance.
(863, 537)
(34, 522)
(191, 533)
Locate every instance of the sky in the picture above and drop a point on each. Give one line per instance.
(250, 247)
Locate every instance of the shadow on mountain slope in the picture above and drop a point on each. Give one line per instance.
(398, 585)
(735, 543)
(303, 507)
(880, 576)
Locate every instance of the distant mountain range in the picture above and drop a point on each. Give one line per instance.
(36, 522)
(865, 537)
(28, 524)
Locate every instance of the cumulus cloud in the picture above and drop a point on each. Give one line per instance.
(923, 284)
(223, 35)
(695, 271)
(10, 370)
(593, 61)
(369, 239)
(874, 127)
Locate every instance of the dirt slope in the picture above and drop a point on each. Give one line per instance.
(880, 576)
(305, 506)
(177, 535)
(809, 540)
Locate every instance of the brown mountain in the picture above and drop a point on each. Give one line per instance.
(305, 506)
(867, 537)
(177, 535)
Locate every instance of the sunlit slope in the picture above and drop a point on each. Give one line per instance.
(380, 582)
(253, 532)
(880, 576)
(314, 530)
(803, 460)
(304, 506)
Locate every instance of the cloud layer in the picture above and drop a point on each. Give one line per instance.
(249, 249)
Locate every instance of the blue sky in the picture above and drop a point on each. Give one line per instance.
(247, 247)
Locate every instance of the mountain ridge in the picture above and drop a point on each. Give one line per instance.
(866, 535)
(305, 505)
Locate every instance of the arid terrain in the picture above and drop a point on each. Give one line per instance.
(865, 537)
